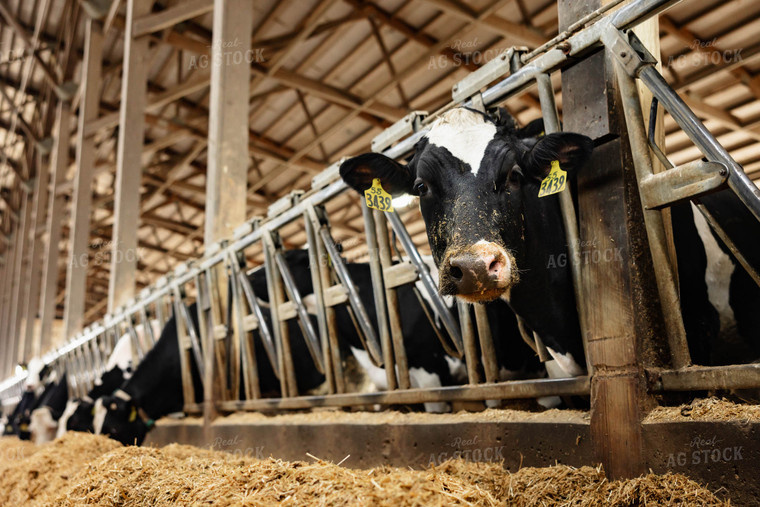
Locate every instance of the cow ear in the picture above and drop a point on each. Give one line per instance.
(359, 172)
(572, 151)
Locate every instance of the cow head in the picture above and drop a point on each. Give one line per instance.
(119, 418)
(478, 180)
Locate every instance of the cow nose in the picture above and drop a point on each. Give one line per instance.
(476, 273)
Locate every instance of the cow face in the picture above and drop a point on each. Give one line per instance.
(118, 419)
(477, 181)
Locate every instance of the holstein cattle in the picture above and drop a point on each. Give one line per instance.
(478, 179)
(34, 386)
(155, 388)
(78, 414)
(44, 418)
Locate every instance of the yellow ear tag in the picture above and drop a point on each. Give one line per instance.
(133, 415)
(378, 198)
(554, 182)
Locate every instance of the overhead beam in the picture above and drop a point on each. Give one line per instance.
(129, 160)
(184, 10)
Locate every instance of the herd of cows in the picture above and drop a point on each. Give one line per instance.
(477, 177)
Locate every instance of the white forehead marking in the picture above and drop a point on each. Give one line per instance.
(465, 134)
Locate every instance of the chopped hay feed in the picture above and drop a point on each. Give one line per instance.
(82, 469)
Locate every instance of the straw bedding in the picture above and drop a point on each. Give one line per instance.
(708, 409)
(82, 469)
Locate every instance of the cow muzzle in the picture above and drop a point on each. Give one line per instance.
(479, 273)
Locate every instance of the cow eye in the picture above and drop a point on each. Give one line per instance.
(420, 188)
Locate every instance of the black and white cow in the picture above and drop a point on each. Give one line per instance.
(478, 178)
(78, 415)
(44, 418)
(38, 379)
(155, 388)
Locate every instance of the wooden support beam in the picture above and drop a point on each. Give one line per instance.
(12, 21)
(516, 33)
(227, 151)
(167, 18)
(5, 305)
(31, 299)
(227, 156)
(14, 317)
(59, 164)
(621, 313)
(76, 270)
(129, 160)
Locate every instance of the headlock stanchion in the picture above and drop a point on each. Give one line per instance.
(227, 335)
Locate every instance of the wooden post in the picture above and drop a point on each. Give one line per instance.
(227, 176)
(79, 237)
(129, 160)
(30, 303)
(11, 329)
(59, 164)
(10, 263)
(620, 309)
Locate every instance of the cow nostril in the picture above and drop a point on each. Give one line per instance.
(456, 273)
(495, 267)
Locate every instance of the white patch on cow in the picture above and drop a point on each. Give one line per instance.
(506, 374)
(549, 401)
(100, 416)
(420, 378)
(562, 366)
(71, 407)
(457, 369)
(465, 134)
(310, 302)
(720, 267)
(42, 426)
(34, 368)
(376, 375)
(121, 355)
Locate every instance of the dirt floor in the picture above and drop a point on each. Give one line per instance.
(83, 469)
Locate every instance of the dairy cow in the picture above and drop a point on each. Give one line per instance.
(155, 388)
(78, 414)
(44, 418)
(478, 179)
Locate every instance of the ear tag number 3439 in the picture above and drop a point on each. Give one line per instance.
(378, 198)
(554, 182)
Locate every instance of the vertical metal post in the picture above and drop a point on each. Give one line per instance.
(551, 125)
(391, 296)
(79, 236)
(282, 336)
(488, 353)
(470, 347)
(310, 219)
(653, 220)
(378, 291)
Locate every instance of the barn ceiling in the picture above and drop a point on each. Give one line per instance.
(326, 77)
